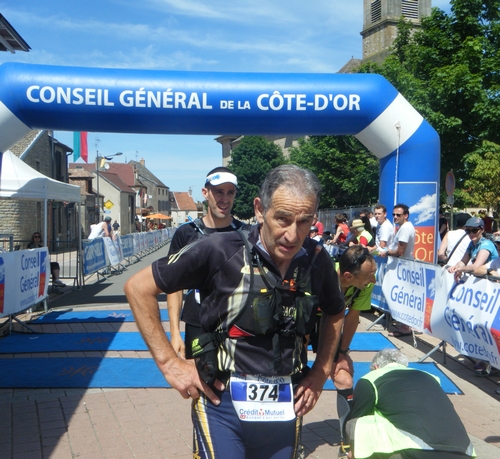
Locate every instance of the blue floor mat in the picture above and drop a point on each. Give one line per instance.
(125, 373)
(58, 317)
(130, 341)
(73, 342)
(362, 368)
(369, 342)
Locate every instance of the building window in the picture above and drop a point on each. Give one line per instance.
(409, 8)
(376, 10)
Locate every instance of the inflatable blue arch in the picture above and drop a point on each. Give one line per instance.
(164, 102)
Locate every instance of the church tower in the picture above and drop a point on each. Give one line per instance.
(380, 20)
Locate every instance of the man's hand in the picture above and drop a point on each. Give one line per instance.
(182, 375)
(308, 392)
(142, 294)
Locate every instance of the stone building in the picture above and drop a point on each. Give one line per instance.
(230, 142)
(151, 194)
(380, 20)
(119, 201)
(83, 179)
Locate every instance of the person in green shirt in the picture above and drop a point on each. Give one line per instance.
(403, 413)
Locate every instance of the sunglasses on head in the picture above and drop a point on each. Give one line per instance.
(356, 263)
(473, 230)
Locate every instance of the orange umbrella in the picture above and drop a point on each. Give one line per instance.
(159, 216)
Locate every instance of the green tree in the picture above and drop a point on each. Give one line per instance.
(251, 160)
(348, 172)
(481, 188)
(449, 71)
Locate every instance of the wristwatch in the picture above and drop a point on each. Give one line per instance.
(345, 352)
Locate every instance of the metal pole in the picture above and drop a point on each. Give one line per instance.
(98, 166)
(98, 217)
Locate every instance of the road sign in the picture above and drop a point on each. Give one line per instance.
(108, 204)
(450, 183)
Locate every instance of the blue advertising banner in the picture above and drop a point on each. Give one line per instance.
(127, 245)
(464, 314)
(24, 279)
(94, 256)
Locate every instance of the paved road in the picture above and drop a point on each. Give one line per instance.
(155, 423)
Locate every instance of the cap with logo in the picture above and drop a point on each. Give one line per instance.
(218, 178)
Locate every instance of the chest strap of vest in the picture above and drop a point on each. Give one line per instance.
(204, 350)
(355, 294)
(270, 282)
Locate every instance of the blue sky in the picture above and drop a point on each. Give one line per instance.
(225, 36)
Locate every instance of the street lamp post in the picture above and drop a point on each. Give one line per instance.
(98, 160)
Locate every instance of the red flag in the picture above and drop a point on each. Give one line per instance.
(84, 151)
(80, 149)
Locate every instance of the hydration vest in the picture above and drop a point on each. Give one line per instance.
(264, 312)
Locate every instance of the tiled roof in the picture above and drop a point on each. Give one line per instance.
(351, 66)
(117, 182)
(184, 201)
(124, 171)
(147, 174)
(79, 173)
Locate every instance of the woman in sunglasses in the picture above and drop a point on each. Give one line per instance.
(479, 252)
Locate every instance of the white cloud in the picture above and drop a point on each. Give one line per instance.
(425, 209)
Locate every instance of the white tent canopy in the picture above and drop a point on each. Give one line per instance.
(20, 181)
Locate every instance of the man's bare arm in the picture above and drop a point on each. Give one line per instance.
(174, 305)
(351, 323)
(142, 294)
(397, 252)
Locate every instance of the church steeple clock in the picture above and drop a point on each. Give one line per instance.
(380, 20)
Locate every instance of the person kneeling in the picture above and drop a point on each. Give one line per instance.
(402, 413)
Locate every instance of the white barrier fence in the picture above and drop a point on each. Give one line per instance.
(25, 274)
(426, 297)
(100, 253)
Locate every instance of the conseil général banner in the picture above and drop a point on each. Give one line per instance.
(24, 279)
(464, 314)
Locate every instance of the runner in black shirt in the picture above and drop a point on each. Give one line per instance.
(220, 190)
(259, 297)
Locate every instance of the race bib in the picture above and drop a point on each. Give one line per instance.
(262, 398)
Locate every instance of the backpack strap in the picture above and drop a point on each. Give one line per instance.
(356, 293)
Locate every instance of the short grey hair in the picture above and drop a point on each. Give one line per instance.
(386, 356)
(296, 179)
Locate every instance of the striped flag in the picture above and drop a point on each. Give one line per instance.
(80, 149)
